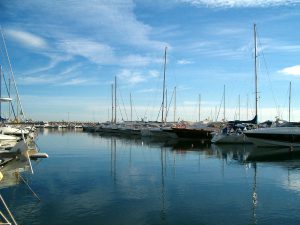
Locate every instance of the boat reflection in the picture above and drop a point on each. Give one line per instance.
(250, 153)
(12, 167)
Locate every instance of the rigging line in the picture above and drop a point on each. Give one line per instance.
(284, 104)
(157, 88)
(7, 209)
(135, 109)
(25, 182)
(12, 107)
(119, 110)
(267, 70)
(158, 113)
(122, 103)
(170, 103)
(13, 77)
(220, 108)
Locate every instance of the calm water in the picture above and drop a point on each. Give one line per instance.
(91, 179)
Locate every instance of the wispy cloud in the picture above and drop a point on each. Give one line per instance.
(108, 20)
(26, 38)
(74, 81)
(240, 3)
(64, 77)
(149, 90)
(94, 51)
(293, 70)
(154, 73)
(41, 79)
(137, 60)
(276, 45)
(215, 49)
(184, 62)
(131, 77)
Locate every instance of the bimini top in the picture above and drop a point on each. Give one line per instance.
(5, 99)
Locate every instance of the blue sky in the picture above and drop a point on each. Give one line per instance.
(65, 55)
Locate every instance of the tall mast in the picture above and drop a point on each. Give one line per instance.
(174, 104)
(0, 90)
(247, 105)
(224, 103)
(130, 108)
(164, 84)
(112, 103)
(255, 71)
(239, 107)
(13, 79)
(166, 108)
(115, 120)
(290, 91)
(199, 107)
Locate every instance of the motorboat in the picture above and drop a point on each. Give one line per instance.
(275, 136)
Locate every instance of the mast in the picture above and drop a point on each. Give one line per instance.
(224, 103)
(174, 104)
(115, 119)
(164, 83)
(130, 108)
(166, 106)
(0, 90)
(199, 107)
(290, 91)
(247, 105)
(112, 103)
(239, 107)
(13, 79)
(255, 71)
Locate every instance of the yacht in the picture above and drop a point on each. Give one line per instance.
(288, 136)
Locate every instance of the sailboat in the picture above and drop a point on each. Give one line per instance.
(160, 130)
(233, 132)
(286, 134)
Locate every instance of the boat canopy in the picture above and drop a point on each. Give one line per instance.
(5, 99)
(253, 121)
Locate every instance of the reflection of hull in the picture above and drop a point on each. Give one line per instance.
(277, 136)
(230, 139)
(158, 133)
(274, 154)
(239, 152)
(193, 133)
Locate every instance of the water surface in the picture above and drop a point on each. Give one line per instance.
(93, 179)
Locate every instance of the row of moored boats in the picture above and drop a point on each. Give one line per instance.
(278, 133)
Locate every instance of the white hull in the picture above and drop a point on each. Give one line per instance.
(277, 136)
(230, 139)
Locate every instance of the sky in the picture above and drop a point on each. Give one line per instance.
(65, 55)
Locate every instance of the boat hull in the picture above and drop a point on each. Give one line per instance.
(193, 133)
(281, 136)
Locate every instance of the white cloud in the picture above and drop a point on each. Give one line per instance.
(131, 77)
(26, 38)
(239, 3)
(184, 62)
(149, 90)
(138, 60)
(114, 21)
(94, 51)
(75, 81)
(154, 73)
(43, 79)
(293, 70)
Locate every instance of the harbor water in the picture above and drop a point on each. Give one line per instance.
(118, 180)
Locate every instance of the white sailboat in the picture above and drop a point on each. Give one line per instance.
(160, 130)
(230, 135)
(287, 134)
